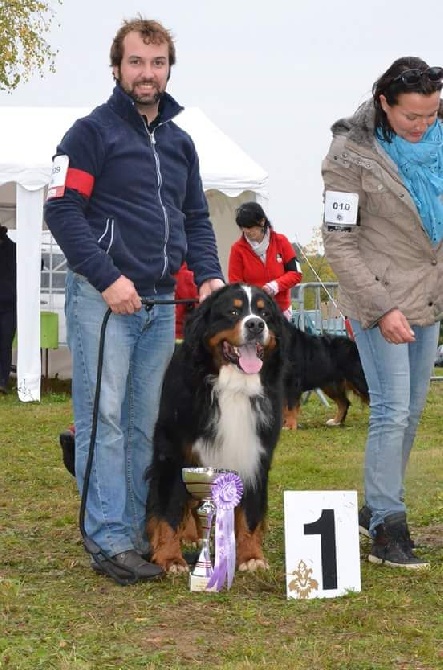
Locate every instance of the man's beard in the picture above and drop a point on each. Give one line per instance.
(146, 100)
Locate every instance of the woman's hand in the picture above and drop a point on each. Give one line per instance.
(271, 288)
(395, 328)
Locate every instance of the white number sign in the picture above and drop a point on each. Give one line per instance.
(321, 543)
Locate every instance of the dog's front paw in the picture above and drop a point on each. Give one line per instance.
(254, 564)
(177, 567)
(173, 563)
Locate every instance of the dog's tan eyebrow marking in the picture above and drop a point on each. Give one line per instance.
(238, 302)
(260, 303)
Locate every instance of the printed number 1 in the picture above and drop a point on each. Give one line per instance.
(325, 526)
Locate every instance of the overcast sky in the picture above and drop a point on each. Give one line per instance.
(273, 75)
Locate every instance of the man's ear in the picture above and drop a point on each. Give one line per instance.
(116, 72)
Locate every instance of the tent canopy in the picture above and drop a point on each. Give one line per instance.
(29, 136)
(28, 139)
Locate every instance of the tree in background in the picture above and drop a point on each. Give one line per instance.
(23, 48)
(316, 268)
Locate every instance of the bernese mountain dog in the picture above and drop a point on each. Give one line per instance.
(221, 406)
(327, 362)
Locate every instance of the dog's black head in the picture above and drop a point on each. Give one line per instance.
(237, 325)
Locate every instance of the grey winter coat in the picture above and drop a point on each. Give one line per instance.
(387, 261)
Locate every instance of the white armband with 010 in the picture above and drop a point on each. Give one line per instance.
(341, 209)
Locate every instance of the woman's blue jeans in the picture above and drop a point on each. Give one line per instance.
(398, 377)
(137, 350)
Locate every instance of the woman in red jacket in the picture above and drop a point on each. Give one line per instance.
(262, 257)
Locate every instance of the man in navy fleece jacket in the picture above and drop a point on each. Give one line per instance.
(126, 205)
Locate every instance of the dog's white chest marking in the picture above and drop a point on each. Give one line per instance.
(236, 444)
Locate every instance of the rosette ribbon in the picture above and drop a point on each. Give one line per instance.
(227, 491)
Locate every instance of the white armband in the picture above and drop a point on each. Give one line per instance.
(57, 185)
(341, 209)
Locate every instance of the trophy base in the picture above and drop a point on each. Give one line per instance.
(197, 583)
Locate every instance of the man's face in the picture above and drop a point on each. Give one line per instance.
(143, 72)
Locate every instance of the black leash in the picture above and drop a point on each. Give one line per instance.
(107, 564)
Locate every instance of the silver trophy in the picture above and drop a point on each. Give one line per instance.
(198, 482)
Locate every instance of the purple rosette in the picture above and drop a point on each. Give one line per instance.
(227, 491)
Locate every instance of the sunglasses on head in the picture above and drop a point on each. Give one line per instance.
(414, 76)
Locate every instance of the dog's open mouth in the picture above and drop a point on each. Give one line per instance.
(247, 357)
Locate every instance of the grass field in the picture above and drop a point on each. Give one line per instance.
(55, 613)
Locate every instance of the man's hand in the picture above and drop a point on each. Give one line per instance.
(395, 328)
(208, 286)
(122, 297)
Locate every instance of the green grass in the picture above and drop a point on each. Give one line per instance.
(55, 613)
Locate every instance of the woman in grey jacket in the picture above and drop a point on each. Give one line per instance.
(383, 232)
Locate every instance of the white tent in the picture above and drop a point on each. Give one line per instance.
(28, 138)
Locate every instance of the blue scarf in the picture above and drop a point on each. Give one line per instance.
(420, 166)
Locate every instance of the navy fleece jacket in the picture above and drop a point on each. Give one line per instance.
(143, 208)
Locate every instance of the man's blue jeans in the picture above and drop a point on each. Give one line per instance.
(136, 353)
(398, 377)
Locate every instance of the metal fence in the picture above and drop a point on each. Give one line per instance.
(315, 310)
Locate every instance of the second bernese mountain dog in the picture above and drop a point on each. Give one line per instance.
(221, 406)
(327, 362)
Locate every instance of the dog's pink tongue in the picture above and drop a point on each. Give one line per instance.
(248, 359)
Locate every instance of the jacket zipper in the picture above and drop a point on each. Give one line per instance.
(159, 182)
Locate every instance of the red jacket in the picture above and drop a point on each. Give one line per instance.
(245, 266)
(184, 288)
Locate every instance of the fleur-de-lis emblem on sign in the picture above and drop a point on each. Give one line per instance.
(303, 583)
